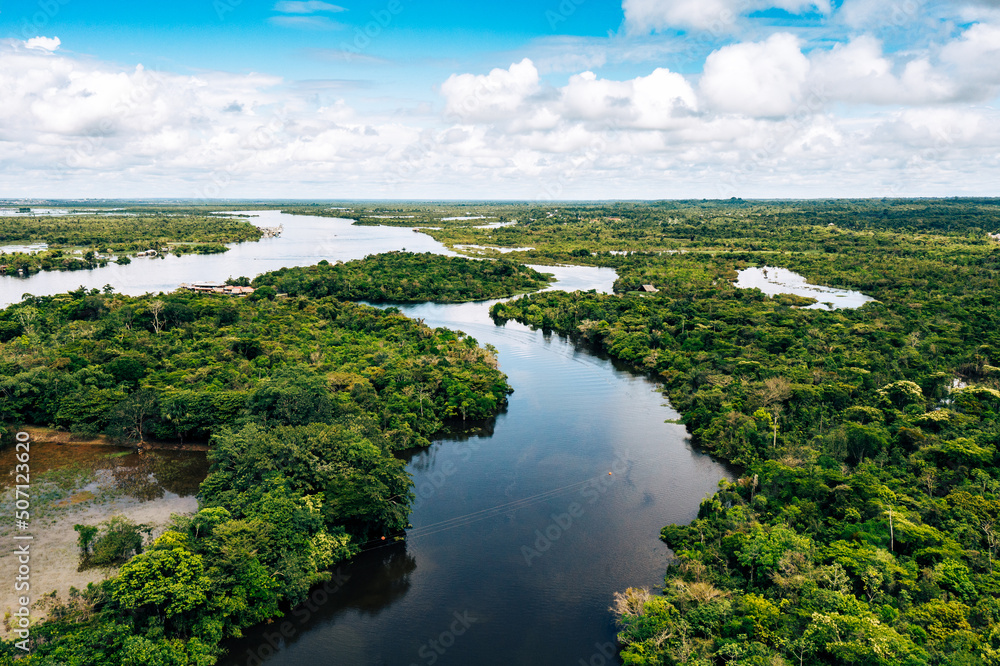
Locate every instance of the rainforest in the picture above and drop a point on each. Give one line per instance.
(858, 527)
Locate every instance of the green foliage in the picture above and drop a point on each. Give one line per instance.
(901, 394)
(103, 235)
(794, 300)
(114, 541)
(305, 402)
(85, 540)
(164, 367)
(163, 583)
(346, 468)
(863, 529)
(403, 277)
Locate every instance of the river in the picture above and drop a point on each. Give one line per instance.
(524, 527)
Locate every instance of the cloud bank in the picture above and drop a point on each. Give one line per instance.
(768, 115)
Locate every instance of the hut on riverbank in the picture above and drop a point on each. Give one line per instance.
(218, 288)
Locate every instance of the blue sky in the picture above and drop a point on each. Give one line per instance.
(533, 100)
(418, 42)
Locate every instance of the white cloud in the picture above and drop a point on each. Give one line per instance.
(717, 16)
(986, 10)
(763, 119)
(516, 100)
(43, 43)
(976, 54)
(915, 24)
(490, 97)
(652, 102)
(959, 71)
(757, 79)
(307, 22)
(303, 14)
(866, 13)
(77, 115)
(859, 72)
(69, 98)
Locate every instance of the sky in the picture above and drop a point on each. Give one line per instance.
(545, 100)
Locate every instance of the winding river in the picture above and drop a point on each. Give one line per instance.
(523, 528)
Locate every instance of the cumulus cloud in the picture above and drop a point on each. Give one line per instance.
(80, 115)
(493, 96)
(763, 118)
(959, 71)
(43, 43)
(56, 96)
(860, 72)
(756, 78)
(775, 78)
(975, 55)
(516, 99)
(651, 102)
(715, 15)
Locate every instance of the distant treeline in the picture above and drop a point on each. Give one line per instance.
(101, 236)
(601, 234)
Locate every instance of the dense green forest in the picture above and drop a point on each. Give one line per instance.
(405, 277)
(305, 400)
(182, 365)
(863, 530)
(98, 237)
(602, 234)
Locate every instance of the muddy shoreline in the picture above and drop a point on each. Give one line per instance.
(87, 481)
(52, 436)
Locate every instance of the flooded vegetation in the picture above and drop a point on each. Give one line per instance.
(857, 524)
(89, 484)
(777, 281)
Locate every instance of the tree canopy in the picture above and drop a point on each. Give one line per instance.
(305, 401)
(405, 277)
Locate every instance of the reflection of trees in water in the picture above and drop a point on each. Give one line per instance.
(461, 431)
(136, 478)
(181, 473)
(379, 578)
(148, 476)
(375, 580)
(422, 459)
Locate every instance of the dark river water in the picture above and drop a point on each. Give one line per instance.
(523, 529)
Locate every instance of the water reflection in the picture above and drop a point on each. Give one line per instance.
(486, 498)
(486, 495)
(368, 586)
(773, 281)
(147, 476)
(305, 241)
(151, 475)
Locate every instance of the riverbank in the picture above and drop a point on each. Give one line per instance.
(61, 437)
(482, 498)
(55, 556)
(87, 482)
